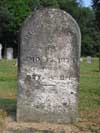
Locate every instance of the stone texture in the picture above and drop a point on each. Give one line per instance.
(89, 59)
(0, 51)
(48, 78)
(9, 53)
(81, 59)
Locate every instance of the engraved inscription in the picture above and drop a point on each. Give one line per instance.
(27, 36)
(45, 59)
(35, 59)
(36, 77)
(48, 79)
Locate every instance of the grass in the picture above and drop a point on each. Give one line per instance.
(8, 80)
(89, 98)
(89, 86)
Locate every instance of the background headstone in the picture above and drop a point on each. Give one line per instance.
(16, 64)
(81, 59)
(89, 59)
(0, 51)
(49, 68)
(9, 53)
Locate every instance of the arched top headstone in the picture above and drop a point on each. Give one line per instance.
(49, 67)
(0, 46)
(0, 51)
(52, 30)
(9, 53)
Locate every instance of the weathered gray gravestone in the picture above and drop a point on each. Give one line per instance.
(89, 59)
(16, 64)
(81, 59)
(0, 51)
(48, 80)
(9, 53)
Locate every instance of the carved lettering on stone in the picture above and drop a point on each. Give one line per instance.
(48, 79)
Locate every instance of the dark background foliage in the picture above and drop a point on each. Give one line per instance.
(14, 12)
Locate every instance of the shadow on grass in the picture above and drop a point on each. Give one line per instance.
(98, 102)
(8, 105)
(98, 71)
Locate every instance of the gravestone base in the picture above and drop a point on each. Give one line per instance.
(49, 117)
(19, 127)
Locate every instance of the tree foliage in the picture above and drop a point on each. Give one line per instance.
(96, 7)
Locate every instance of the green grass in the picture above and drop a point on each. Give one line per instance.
(8, 80)
(89, 86)
(89, 96)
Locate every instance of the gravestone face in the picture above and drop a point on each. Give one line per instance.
(49, 59)
(0, 51)
(9, 53)
(89, 59)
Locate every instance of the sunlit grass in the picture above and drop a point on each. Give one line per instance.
(89, 85)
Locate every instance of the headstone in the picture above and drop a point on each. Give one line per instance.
(0, 51)
(89, 59)
(16, 64)
(48, 81)
(81, 59)
(9, 53)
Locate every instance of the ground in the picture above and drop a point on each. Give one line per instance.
(89, 98)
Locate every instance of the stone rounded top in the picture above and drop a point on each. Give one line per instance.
(55, 15)
(9, 48)
(0, 46)
(48, 22)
